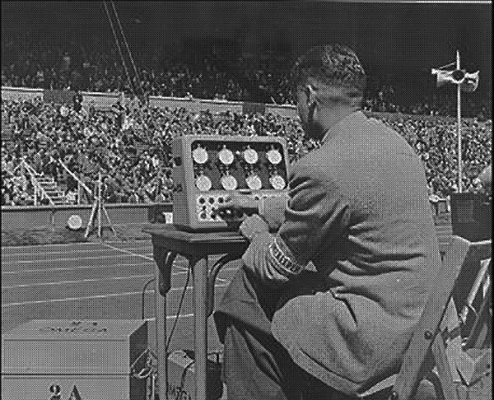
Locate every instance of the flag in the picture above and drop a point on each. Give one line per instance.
(468, 81)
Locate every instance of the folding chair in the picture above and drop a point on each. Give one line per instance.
(449, 356)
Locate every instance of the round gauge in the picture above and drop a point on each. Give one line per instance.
(200, 155)
(273, 156)
(254, 182)
(250, 155)
(203, 183)
(229, 182)
(226, 156)
(277, 182)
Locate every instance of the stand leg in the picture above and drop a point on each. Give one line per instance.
(91, 218)
(160, 311)
(200, 272)
(109, 221)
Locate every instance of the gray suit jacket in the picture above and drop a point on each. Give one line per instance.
(358, 212)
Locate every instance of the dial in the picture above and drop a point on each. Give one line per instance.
(274, 156)
(229, 182)
(254, 182)
(226, 156)
(277, 182)
(250, 155)
(200, 155)
(203, 183)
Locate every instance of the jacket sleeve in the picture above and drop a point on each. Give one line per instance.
(316, 215)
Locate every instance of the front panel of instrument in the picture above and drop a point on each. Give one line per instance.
(208, 168)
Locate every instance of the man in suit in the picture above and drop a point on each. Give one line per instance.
(330, 300)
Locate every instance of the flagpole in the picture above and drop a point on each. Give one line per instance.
(458, 127)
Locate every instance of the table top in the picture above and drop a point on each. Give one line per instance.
(196, 243)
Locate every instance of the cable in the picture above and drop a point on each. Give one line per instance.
(143, 294)
(178, 311)
(127, 46)
(118, 47)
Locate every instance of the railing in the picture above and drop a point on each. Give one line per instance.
(37, 186)
(80, 184)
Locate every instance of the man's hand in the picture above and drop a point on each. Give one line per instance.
(251, 226)
(237, 205)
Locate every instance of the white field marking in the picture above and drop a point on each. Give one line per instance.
(100, 296)
(182, 271)
(64, 252)
(145, 257)
(150, 258)
(152, 319)
(74, 259)
(127, 252)
(112, 278)
(52, 245)
(73, 268)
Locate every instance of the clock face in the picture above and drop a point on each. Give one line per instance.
(203, 183)
(250, 156)
(277, 182)
(254, 182)
(274, 156)
(226, 156)
(200, 155)
(229, 182)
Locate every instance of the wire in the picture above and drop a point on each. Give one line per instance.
(178, 311)
(126, 45)
(118, 47)
(143, 295)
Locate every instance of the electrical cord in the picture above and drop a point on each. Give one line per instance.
(143, 294)
(167, 346)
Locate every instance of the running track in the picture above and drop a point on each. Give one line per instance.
(103, 280)
(96, 281)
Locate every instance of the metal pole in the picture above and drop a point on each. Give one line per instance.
(458, 127)
(99, 204)
(200, 277)
(160, 327)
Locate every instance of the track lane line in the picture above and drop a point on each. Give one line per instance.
(99, 296)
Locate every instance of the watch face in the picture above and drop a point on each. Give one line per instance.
(250, 155)
(277, 182)
(229, 182)
(226, 156)
(254, 182)
(203, 183)
(200, 155)
(273, 156)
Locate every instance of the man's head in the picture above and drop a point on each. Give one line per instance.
(328, 83)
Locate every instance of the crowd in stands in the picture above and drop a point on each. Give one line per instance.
(130, 146)
(94, 64)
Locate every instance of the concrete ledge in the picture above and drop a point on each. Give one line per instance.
(31, 217)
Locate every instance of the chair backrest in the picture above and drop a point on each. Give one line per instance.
(418, 360)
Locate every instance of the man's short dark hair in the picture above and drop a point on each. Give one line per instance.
(331, 64)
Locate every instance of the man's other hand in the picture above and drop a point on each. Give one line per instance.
(236, 205)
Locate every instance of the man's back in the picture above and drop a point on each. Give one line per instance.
(377, 266)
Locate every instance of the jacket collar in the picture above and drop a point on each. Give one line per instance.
(356, 117)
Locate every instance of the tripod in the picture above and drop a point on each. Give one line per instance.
(96, 212)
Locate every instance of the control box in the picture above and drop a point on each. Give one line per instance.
(208, 168)
(62, 359)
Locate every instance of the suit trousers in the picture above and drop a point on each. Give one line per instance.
(256, 366)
